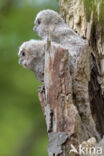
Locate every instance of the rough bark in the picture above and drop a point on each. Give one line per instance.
(73, 104)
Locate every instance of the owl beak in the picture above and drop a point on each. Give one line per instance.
(20, 61)
(34, 28)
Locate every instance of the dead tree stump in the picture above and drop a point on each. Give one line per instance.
(65, 126)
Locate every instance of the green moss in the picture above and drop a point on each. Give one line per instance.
(92, 5)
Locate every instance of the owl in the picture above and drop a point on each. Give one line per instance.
(31, 56)
(49, 24)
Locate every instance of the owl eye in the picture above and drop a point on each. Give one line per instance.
(23, 54)
(39, 21)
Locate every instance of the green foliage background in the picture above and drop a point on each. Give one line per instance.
(22, 125)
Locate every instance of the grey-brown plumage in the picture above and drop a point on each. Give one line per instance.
(49, 24)
(31, 55)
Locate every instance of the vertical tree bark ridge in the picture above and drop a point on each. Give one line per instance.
(96, 97)
(80, 84)
(58, 89)
(74, 15)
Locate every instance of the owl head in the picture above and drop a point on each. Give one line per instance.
(46, 21)
(31, 56)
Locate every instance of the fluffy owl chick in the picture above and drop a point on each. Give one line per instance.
(49, 24)
(31, 55)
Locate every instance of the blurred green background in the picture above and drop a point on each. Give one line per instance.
(22, 125)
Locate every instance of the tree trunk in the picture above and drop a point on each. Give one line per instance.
(74, 118)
